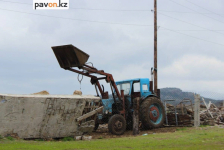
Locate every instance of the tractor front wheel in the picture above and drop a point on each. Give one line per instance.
(117, 124)
(152, 113)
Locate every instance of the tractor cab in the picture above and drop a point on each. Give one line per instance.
(132, 88)
(135, 87)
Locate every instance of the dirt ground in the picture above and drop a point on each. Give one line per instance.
(102, 132)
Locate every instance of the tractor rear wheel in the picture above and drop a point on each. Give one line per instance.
(117, 124)
(152, 113)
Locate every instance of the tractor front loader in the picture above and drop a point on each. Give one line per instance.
(118, 109)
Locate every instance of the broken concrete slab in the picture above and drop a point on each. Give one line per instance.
(87, 127)
(87, 138)
(42, 116)
(77, 138)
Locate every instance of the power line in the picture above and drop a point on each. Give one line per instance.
(99, 9)
(195, 11)
(193, 36)
(176, 31)
(92, 21)
(110, 9)
(204, 8)
(171, 11)
(190, 23)
(195, 30)
(96, 21)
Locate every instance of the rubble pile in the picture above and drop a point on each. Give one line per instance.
(178, 115)
(183, 114)
(210, 114)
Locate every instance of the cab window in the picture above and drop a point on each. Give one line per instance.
(136, 87)
(145, 87)
(125, 87)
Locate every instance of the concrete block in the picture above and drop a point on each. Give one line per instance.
(87, 127)
(77, 138)
(41, 116)
(87, 138)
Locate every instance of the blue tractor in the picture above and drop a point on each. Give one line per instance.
(117, 108)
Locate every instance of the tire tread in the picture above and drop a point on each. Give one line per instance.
(144, 107)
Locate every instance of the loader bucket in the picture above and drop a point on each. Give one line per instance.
(70, 56)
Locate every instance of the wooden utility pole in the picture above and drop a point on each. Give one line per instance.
(155, 47)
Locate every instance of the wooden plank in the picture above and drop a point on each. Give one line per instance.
(92, 107)
(208, 107)
(90, 114)
(209, 104)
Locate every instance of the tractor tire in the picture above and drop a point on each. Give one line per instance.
(117, 124)
(152, 113)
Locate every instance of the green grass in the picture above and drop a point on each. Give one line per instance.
(68, 139)
(39, 140)
(204, 125)
(189, 138)
(182, 129)
(10, 138)
(100, 137)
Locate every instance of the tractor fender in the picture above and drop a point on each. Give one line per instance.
(145, 97)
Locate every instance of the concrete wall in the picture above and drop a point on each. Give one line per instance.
(39, 116)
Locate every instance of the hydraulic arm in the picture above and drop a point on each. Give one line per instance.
(69, 56)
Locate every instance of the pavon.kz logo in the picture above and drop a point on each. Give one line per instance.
(50, 4)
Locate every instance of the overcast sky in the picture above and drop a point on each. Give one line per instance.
(190, 52)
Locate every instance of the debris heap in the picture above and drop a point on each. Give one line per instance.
(210, 114)
(183, 114)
